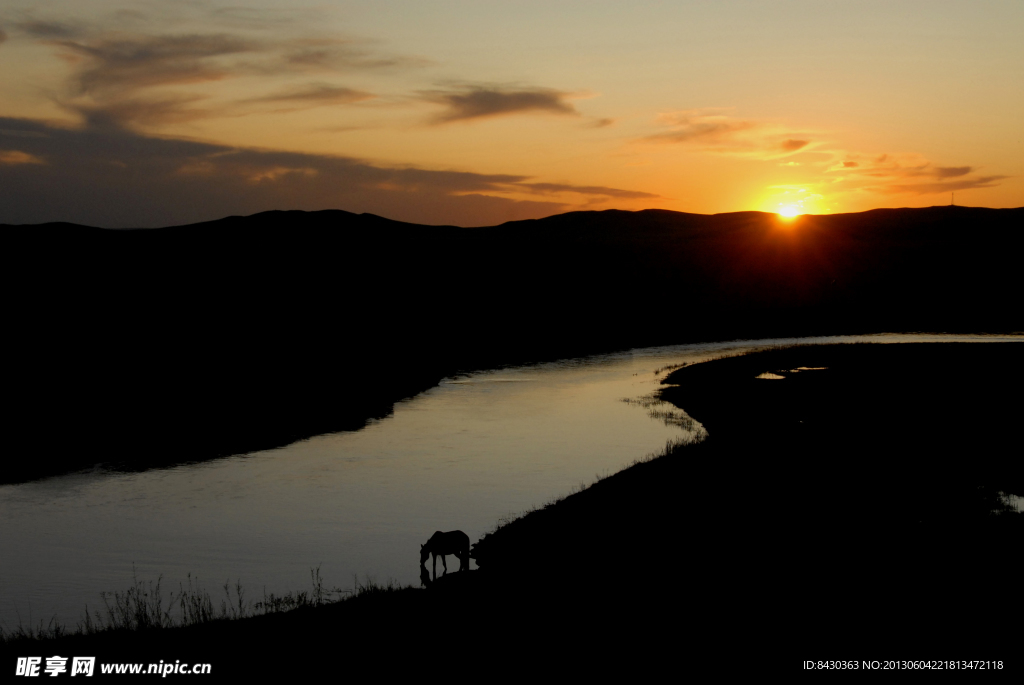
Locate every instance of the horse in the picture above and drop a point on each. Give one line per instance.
(453, 542)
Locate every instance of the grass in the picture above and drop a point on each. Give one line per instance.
(144, 606)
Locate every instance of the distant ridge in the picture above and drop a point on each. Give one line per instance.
(156, 346)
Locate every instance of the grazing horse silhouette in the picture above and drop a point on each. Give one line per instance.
(453, 542)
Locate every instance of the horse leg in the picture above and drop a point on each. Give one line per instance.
(444, 563)
(435, 564)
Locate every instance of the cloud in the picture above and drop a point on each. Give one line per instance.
(709, 130)
(555, 188)
(928, 188)
(478, 102)
(907, 174)
(952, 171)
(3, 36)
(51, 29)
(13, 157)
(333, 54)
(141, 77)
(315, 95)
(153, 110)
(111, 176)
(128, 64)
(791, 145)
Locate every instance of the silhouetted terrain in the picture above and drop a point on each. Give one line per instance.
(158, 346)
(855, 493)
(847, 512)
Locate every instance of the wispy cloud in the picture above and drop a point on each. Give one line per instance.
(906, 174)
(148, 110)
(931, 188)
(109, 66)
(466, 103)
(314, 95)
(556, 188)
(15, 157)
(792, 145)
(141, 77)
(695, 126)
(710, 130)
(54, 30)
(332, 54)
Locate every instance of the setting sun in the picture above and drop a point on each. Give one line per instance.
(788, 212)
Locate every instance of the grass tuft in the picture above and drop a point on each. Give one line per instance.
(143, 607)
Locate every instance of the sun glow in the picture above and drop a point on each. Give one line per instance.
(789, 202)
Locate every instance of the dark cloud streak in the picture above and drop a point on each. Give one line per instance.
(51, 29)
(316, 94)
(553, 188)
(952, 171)
(792, 145)
(145, 61)
(940, 186)
(467, 103)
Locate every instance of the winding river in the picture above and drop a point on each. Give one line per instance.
(462, 455)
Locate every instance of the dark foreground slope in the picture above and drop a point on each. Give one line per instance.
(857, 491)
(847, 513)
(150, 347)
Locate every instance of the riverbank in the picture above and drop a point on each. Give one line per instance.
(867, 489)
(844, 506)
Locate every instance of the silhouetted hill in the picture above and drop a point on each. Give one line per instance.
(157, 346)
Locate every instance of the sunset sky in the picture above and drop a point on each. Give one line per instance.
(473, 113)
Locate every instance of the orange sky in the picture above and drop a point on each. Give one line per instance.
(151, 113)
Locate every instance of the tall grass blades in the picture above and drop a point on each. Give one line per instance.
(143, 607)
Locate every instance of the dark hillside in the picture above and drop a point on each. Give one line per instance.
(157, 346)
(862, 489)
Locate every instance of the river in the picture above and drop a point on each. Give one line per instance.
(462, 455)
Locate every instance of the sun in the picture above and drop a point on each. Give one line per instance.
(789, 211)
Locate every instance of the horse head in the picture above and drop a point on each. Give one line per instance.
(424, 553)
